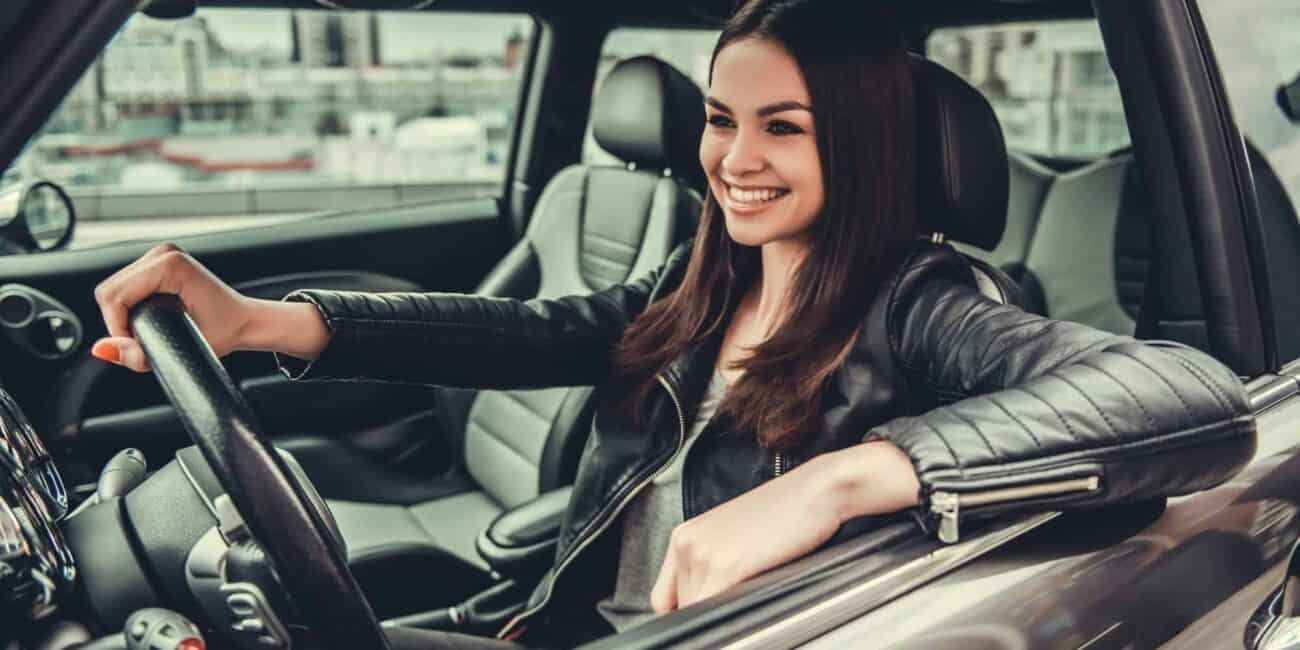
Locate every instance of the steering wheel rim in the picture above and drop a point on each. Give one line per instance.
(273, 505)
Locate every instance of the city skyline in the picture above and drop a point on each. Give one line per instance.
(406, 36)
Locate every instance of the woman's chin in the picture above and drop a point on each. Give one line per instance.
(746, 236)
(751, 234)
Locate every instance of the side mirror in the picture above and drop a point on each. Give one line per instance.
(1288, 99)
(37, 217)
(1275, 625)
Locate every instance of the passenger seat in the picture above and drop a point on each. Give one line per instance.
(1079, 242)
(411, 540)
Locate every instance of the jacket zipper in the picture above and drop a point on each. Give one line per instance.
(613, 514)
(947, 505)
(778, 464)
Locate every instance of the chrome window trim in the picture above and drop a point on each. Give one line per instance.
(886, 586)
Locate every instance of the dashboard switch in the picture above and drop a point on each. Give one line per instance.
(155, 628)
(252, 619)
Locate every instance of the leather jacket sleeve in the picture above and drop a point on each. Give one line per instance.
(1034, 412)
(470, 341)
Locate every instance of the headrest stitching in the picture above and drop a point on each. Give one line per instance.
(950, 169)
(665, 110)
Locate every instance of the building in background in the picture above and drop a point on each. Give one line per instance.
(187, 101)
(335, 39)
(1050, 84)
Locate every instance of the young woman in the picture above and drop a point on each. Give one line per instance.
(804, 362)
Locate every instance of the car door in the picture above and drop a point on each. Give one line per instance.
(283, 149)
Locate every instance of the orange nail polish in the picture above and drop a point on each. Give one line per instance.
(106, 351)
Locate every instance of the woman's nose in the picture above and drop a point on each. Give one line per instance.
(745, 156)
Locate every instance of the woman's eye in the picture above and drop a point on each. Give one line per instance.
(783, 128)
(720, 121)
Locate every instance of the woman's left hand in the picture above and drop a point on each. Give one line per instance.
(781, 520)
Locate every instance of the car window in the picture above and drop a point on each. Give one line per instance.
(1049, 82)
(688, 50)
(245, 116)
(1258, 52)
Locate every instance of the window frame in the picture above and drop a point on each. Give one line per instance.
(206, 198)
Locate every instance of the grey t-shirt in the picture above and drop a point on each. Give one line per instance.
(648, 522)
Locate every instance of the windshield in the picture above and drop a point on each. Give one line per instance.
(244, 117)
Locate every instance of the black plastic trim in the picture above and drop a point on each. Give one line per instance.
(412, 217)
(1238, 161)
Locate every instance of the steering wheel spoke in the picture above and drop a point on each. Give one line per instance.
(276, 502)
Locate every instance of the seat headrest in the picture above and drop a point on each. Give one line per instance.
(648, 113)
(963, 175)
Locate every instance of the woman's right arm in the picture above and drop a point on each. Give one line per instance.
(434, 338)
(229, 321)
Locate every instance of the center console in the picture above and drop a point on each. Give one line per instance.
(519, 547)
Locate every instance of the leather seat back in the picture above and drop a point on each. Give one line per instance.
(1090, 250)
(962, 179)
(593, 227)
(1079, 242)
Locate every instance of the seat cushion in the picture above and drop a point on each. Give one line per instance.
(416, 558)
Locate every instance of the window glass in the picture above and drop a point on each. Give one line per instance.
(688, 50)
(241, 116)
(1258, 51)
(1049, 82)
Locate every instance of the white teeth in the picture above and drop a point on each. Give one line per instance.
(753, 196)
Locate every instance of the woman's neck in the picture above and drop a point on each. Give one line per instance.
(779, 260)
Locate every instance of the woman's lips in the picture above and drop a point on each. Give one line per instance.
(754, 200)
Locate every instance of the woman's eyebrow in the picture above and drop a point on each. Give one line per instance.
(781, 107)
(770, 109)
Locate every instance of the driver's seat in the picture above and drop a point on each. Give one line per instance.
(411, 540)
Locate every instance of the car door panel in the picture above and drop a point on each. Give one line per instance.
(98, 408)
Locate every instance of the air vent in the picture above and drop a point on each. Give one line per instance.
(16, 309)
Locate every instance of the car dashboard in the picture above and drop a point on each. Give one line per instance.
(36, 563)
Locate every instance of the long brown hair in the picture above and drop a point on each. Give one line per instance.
(855, 62)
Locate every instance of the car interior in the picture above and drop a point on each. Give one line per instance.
(592, 227)
(448, 501)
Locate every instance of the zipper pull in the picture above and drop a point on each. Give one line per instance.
(947, 506)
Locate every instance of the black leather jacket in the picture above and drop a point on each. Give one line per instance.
(994, 406)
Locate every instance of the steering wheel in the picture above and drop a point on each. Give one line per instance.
(277, 509)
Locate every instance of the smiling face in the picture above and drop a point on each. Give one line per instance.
(759, 149)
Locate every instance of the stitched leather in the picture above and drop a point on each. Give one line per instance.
(466, 340)
(1041, 393)
(975, 392)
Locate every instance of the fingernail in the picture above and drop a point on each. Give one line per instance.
(106, 351)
